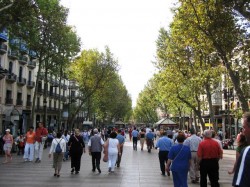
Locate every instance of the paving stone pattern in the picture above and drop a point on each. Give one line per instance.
(138, 169)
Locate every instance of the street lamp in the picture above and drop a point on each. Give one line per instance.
(227, 96)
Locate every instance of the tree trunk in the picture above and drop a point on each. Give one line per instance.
(211, 109)
(35, 93)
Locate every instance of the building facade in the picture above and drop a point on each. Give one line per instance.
(18, 77)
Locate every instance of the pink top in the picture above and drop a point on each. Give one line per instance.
(7, 139)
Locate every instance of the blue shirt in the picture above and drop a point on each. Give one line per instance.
(180, 161)
(150, 135)
(120, 138)
(135, 133)
(164, 144)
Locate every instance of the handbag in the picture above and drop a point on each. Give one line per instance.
(105, 151)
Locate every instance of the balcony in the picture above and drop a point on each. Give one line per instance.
(39, 108)
(64, 86)
(73, 86)
(3, 72)
(28, 104)
(19, 102)
(23, 48)
(4, 35)
(40, 91)
(8, 101)
(63, 98)
(21, 81)
(32, 64)
(11, 78)
(13, 55)
(32, 54)
(3, 48)
(23, 60)
(30, 84)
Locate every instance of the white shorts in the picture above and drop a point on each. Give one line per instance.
(7, 147)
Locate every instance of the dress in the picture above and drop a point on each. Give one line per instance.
(76, 145)
(180, 155)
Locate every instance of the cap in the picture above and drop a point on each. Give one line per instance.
(7, 130)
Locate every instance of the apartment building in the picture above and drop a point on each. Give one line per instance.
(18, 74)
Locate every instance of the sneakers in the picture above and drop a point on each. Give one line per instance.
(109, 169)
(36, 161)
(72, 171)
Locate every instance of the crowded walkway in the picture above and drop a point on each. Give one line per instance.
(138, 168)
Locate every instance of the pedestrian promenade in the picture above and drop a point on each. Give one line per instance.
(138, 169)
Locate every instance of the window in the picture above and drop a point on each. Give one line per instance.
(19, 96)
(30, 75)
(8, 94)
(20, 72)
(28, 98)
(10, 67)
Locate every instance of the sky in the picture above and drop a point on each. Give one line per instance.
(128, 27)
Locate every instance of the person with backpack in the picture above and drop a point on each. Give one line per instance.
(58, 148)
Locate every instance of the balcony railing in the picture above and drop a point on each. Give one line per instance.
(11, 78)
(64, 86)
(39, 108)
(21, 81)
(40, 91)
(23, 60)
(30, 84)
(3, 48)
(32, 64)
(13, 55)
(32, 54)
(19, 102)
(8, 101)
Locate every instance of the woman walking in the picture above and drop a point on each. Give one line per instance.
(57, 153)
(76, 148)
(142, 138)
(30, 145)
(180, 157)
(8, 142)
(113, 151)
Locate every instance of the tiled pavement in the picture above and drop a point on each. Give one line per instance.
(138, 169)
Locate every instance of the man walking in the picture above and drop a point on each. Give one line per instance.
(121, 140)
(135, 134)
(193, 142)
(241, 175)
(95, 148)
(164, 144)
(41, 136)
(209, 153)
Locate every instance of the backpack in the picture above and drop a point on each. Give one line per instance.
(58, 147)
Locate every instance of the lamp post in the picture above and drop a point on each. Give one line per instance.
(227, 97)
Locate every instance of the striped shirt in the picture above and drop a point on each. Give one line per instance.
(193, 142)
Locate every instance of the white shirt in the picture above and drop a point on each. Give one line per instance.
(54, 144)
(113, 145)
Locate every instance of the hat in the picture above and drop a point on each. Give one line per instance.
(7, 130)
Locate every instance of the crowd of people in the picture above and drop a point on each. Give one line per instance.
(181, 153)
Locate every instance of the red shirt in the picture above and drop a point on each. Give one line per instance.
(208, 149)
(40, 132)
